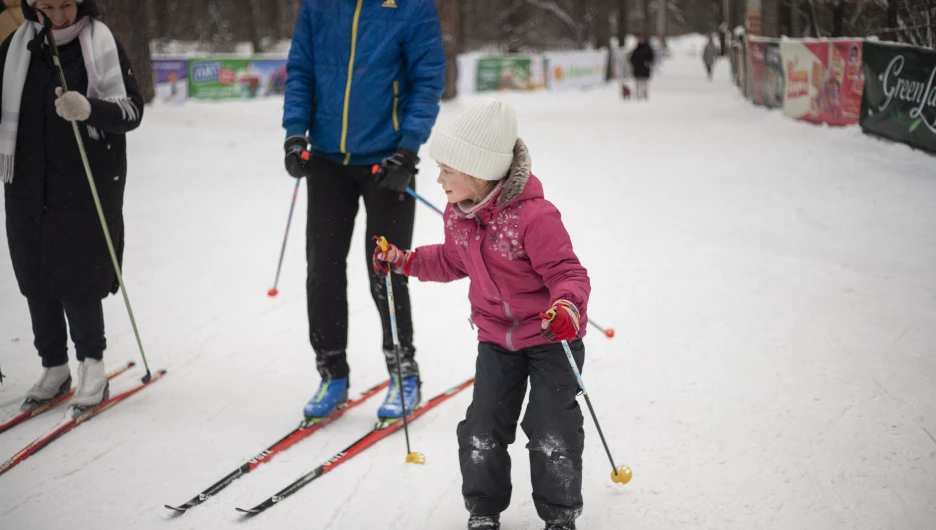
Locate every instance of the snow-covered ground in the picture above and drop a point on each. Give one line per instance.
(772, 284)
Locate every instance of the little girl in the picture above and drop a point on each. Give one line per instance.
(502, 234)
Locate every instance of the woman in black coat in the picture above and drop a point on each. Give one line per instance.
(642, 62)
(57, 246)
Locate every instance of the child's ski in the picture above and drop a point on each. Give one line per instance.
(304, 429)
(71, 423)
(379, 432)
(29, 414)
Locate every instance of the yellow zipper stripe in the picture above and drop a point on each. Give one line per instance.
(347, 97)
(396, 99)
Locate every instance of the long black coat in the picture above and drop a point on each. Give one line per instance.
(642, 60)
(56, 242)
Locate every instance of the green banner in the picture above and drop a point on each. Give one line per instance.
(236, 78)
(899, 99)
(509, 73)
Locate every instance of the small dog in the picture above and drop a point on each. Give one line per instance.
(625, 91)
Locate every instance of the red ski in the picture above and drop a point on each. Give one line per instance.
(379, 432)
(29, 414)
(71, 423)
(305, 428)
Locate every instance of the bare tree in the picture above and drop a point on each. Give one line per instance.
(130, 26)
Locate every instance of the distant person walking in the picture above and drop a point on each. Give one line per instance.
(642, 63)
(709, 56)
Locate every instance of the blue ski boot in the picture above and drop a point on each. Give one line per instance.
(391, 408)
(332, 393)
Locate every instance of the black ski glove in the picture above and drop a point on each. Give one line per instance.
(297, 156)
(397, 172)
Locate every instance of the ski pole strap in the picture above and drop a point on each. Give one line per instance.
(575, 370)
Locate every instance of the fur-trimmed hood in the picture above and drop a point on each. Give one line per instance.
(519, 176)
(86, 8)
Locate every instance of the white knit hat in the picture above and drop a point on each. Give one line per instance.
(480, 142)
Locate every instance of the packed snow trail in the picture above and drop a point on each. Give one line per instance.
(772, 285)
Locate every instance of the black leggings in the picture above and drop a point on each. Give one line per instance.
(334, 193)
(85, 321)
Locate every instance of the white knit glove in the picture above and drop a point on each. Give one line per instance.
(72, 106)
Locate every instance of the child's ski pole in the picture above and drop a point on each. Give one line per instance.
(411, 457)
(619, 474)
(608, 332)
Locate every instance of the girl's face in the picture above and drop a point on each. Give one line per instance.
(459, 186)
(62, 13)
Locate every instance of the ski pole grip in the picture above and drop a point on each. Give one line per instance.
(382, 243)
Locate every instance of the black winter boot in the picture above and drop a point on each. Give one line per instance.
(484, 522)
(560, 526)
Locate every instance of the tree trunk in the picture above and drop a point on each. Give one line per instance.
(451, 37)
(129, 25)
(160, 19)
(796, 28)
(622, 25)
(814, 19)
(249, 16)
(648, 19)
(838, 19)
(722, 6)
(891, 22)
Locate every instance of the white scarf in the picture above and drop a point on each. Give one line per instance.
(105, 79)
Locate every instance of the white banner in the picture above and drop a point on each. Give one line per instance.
(579, 69)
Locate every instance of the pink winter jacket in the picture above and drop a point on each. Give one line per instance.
(517, 255)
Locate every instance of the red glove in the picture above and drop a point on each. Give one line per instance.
(388, 257)
(561, 322)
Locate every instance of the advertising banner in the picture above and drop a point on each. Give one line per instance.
(170, 77)
(510, 72)
(758, 61)
(848, 71)
(814, 75)
(900, 94)
(218, 79)
(581, 69)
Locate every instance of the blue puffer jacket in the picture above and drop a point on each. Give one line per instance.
(391, 96)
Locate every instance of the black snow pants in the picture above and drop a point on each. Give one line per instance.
(334, 193)
(552, 423)
(85, 320)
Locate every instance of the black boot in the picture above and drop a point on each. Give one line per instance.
(484, 522)
(560, 526)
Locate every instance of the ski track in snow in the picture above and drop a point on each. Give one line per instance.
(772, 285)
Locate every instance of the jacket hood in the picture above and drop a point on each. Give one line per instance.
(87, 8)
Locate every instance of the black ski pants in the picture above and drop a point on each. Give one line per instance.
(334, 193)
(85, 321)
(552, 423)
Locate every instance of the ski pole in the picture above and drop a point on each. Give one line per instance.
(97, 202)
(609, 332)
(419, 198)
(619, 474)
(411, 192)
(411, 457)
(274, 291)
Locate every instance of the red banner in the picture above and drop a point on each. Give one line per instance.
(758, 51)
